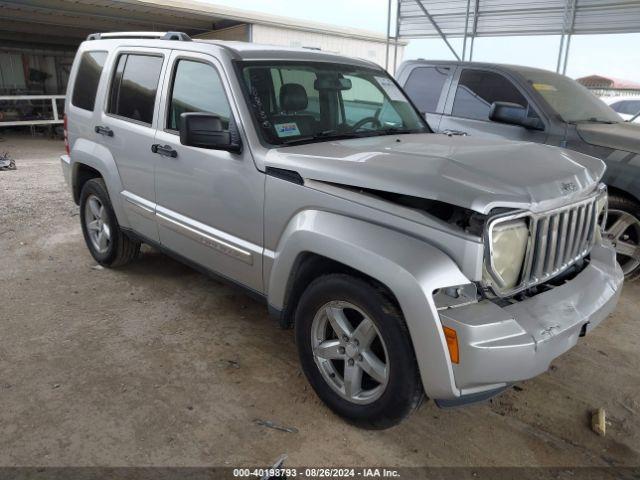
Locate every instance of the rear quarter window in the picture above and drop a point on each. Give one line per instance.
(87, 79)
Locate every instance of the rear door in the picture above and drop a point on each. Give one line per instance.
(427, 86)
(209, 201)
(127, 127)
(469, 103)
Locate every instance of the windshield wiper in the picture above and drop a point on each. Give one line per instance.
(397, 130)
(594, 120)
(326, 135)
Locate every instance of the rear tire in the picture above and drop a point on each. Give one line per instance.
(106, 241)
(623, 229)
(371, 337)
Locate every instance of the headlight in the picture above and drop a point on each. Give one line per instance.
(507, 251)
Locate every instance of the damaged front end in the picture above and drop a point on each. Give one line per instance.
(547, 279)
(525, 249)
(523, 252)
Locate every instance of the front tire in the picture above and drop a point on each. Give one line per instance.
(108, 244)
(623, 229)
(356, 352)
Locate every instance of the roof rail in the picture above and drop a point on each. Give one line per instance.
(179, 36)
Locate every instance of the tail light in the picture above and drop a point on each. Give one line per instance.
(66, 135)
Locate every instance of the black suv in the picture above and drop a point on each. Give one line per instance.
(534, 105)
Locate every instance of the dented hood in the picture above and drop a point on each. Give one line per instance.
(464, 171)
(619, 136)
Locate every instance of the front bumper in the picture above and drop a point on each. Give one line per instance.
(501, 345)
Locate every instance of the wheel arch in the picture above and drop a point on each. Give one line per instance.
(613, 190)
(92, 160)
(310, 265)
(410, 269)
(82, 173)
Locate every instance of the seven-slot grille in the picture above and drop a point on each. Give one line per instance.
(559, 239)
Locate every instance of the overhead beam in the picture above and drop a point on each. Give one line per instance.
(24, 29)
(466, 27)
(99, 16)
(574, 4)
(474, 30)
(435, 25)
(386, 57)
(57, 20)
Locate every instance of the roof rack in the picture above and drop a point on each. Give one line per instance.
(179, 36)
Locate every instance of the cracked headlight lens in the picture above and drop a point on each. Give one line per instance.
(508, 248)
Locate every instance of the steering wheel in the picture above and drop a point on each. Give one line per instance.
(361, 123)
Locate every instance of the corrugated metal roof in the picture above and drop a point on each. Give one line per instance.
(64, 22)
(517, 17)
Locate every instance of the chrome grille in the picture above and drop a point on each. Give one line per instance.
(557, 240)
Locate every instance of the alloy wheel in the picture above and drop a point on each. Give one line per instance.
(97, 223)
(350, 352)
(623, 230)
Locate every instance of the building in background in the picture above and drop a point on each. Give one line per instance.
(352, 43)
(609, 87)
(38, 39)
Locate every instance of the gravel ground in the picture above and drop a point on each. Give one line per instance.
(156, 364)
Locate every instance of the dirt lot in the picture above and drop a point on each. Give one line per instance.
(155, 364)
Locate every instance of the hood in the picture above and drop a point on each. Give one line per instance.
(619, 136)
(464, 171)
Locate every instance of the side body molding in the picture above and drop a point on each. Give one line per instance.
(99, 158)
(412, 269)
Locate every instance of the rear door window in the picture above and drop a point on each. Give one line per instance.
(134, 87)
(424, 87)
(87, 79)
(478, 89)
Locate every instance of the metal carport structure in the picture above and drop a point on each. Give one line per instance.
(469, 19)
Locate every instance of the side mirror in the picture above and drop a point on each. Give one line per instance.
(204, 130)
(513, 114)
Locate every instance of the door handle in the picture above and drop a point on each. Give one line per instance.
(104, 131)
(451, 133)
(165, 151)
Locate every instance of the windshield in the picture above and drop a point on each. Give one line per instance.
(310, 102)
(573, 102)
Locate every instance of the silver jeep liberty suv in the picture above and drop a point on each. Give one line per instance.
(409, 263)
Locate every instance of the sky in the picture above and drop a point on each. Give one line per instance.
(612, 55)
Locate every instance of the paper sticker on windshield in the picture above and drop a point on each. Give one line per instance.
(287, 129)
(543, 87)
(390, 88)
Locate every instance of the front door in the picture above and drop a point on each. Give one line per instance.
(209, 202)
(467, 110)
(128, 125)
